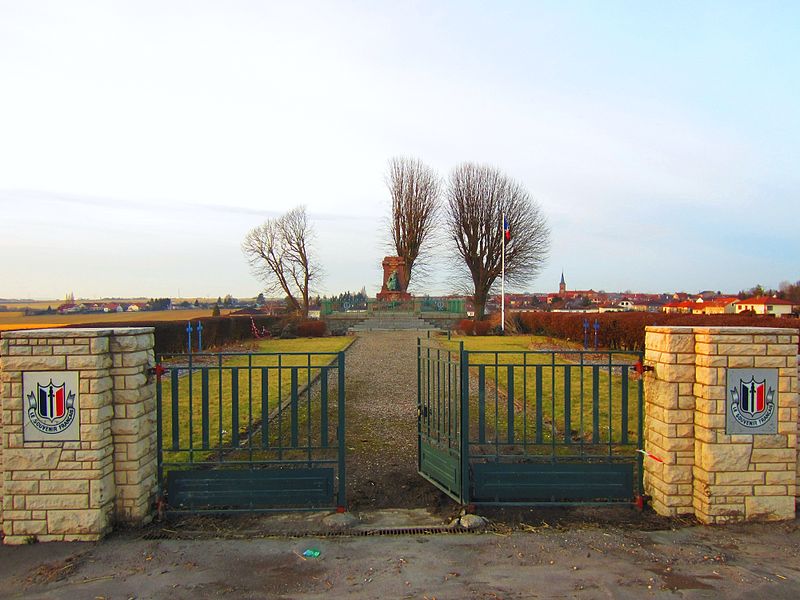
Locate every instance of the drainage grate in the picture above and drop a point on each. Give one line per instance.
(163, 534)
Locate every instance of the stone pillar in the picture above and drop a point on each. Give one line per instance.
(67, 490)
(134, 425)
(736, 476)
(669, 419)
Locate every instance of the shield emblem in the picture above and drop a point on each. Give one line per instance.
(51, 401)
(752, 396)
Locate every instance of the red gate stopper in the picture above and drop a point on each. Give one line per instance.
(640, 367)
(159, 370)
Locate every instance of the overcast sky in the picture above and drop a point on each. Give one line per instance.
(140, 141)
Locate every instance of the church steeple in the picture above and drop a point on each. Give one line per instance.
(562, 286)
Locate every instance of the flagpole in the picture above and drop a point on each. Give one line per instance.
(503, 277)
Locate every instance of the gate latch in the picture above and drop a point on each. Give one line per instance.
(422, 411)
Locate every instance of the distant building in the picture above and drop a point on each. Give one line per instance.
(764, 305)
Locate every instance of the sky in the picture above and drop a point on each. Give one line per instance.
(140, 141)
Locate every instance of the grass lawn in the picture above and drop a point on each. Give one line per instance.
(221, 405)
(541, 402)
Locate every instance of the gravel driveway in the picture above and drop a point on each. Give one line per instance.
(381, 376)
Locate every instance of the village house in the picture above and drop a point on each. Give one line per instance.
(764, 305)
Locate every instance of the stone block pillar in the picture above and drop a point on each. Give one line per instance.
(730, 476)
(134, 425)
(669, 420)
(75, 490)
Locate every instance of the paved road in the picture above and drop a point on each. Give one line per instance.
(753, 561)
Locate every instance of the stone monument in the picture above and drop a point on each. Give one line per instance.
(395, 280)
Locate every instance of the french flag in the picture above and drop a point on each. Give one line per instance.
(506, 229)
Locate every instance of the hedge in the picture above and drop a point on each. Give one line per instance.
(625, 331)
(170, 336)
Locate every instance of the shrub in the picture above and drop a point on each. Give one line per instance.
(311, 328)
(466, 326)
(482, 327)
(625, 331)
(470, 327)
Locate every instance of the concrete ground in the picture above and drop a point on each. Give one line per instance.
(578, 560)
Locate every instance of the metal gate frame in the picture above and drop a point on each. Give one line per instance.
(521, 459)
(251, 432)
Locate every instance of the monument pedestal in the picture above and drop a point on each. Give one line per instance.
(395, 280)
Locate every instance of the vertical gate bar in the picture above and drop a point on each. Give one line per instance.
(323, 402)
(624, 406)
(539, 437)
(279, 399)
(308, 405)
(464, 407)
(204, 428)
(583, 390)
(496, 405)
(191, 413)
(176, 436)
(234, 407)
(419, 404)
(428, 390)
(293, 415)
(640, 430)
(510, 396)
(567, 404)
(437, 386)
(595, 404)
(610, 403)
(220, 411)
(525, 402)
(482, 404)
(342, 501)
(450, 413)
(553, 406)
(250, 411)
(159, 434)
(264, 407)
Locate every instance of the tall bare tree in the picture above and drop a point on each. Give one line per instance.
(279, 253)
(414, 188)
(478, 197)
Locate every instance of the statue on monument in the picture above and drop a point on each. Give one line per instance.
(392, 284)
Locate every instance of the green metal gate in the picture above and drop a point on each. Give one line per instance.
(251, 431)
(439, 417)
(534, 427)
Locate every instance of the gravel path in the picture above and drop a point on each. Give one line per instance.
(381, 376)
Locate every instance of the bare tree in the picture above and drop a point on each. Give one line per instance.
(477, 199)
(279, 253)
(414, 188)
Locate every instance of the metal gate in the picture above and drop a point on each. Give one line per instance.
(439, 418)
(534, 427)
(251, 431)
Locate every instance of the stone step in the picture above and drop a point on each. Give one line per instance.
(383, 322)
